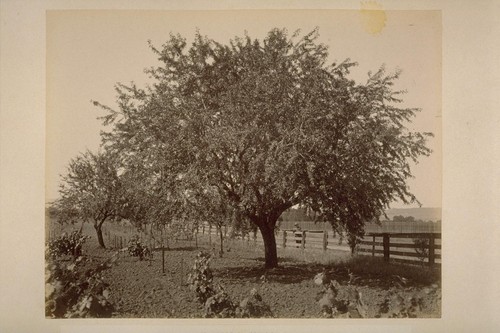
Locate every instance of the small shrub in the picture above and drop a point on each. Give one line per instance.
(422, 248)
(72, 291)
(137, 249)
(337, 301)
(253, 306)
(395, 306)
(219, 305)
(346, 301)
(200, 279)
(66, 245)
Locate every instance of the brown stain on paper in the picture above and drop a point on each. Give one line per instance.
(373, 17)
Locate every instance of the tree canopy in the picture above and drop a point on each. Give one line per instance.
(267, 125)
(91, 191)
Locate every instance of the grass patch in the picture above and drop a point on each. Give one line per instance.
(377, 267)
(313, 256)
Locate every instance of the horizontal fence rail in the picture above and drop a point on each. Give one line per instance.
(403, 247)
(382, 227)
(406, 247)
(413, 248)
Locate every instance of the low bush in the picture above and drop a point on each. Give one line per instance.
(422, 248)
(137, 249)
(66, 245)
(220, 305)
(395, 306)
(337, 301)
(200, 279)
(73, 290)
(217, 303)
(253, 306)
(345, 301)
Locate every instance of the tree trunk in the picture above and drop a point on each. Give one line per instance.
(210, 235)
(270, 252)
(98, 229)
(221, 242)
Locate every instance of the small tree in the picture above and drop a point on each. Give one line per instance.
(90, 191)
(206, 204)
(353, 240)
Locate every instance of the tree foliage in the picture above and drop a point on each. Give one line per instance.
(268, 125)
(66, 245)
(90, 191)
(75, 290)
(401, 218)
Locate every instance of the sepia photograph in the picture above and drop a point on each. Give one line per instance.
(283, 164)
(241, 166)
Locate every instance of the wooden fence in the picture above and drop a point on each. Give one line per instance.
(404, 247)
(310, 239)
(423, 247)
(384, 226)
(411, 248)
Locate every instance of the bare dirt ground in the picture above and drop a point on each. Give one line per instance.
(140, 289)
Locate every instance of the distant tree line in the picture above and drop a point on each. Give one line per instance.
(401, 218)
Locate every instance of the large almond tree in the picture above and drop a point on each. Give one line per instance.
(270, 124)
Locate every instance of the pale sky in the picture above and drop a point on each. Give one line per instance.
(87, 56)
(88, 52)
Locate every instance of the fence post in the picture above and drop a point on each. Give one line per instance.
(303, 243)
(182, 272)
(325, 240)
(284, 238)
(432, 258)
(386, 246)
(373, 246)
(163, 259)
